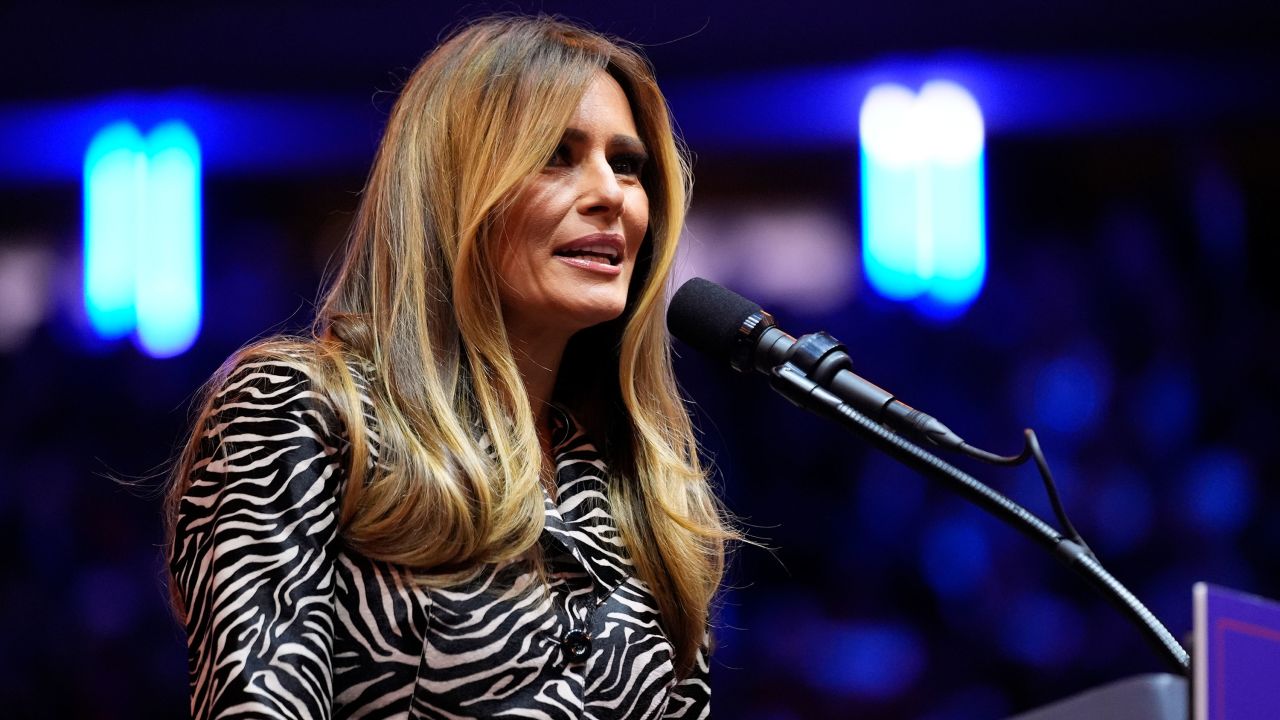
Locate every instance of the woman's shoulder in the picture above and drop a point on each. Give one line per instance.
(314, 360)
(307, 380)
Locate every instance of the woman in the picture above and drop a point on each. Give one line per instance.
(475, 492)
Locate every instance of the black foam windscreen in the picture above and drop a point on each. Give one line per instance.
(708, 317)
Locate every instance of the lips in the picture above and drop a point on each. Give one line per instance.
(602, 248)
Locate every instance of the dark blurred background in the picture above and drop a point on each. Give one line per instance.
(1127, 313)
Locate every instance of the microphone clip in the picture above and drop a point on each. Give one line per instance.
(820, 357)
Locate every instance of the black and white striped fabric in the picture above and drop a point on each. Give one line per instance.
(284, 621)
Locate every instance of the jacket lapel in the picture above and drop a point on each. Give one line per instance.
(580, 520)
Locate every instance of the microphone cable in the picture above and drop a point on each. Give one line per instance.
(1031, 450)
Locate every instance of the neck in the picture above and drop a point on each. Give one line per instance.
(538, 360)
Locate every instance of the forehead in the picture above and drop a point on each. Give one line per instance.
(604, 108)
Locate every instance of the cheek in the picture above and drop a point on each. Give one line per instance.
(530, 216)
(637, 223)
(513, 266)
(520, 234)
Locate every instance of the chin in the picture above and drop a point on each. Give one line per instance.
(601, 318)
(595, 314)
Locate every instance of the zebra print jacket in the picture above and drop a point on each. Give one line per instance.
(284, 621)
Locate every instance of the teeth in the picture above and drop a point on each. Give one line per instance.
(600, 250)
(600, 253)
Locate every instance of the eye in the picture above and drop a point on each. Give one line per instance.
(560, 157)
(629, 163)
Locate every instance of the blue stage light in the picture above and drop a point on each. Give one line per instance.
(115, 169)
(873, 660)
(142, 236)
(955, 556)
(923, 195)
(1218, 491)
(1071, 393)
(169, 262)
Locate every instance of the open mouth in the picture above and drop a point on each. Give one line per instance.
(602, 254)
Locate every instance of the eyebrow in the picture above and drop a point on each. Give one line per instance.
(629, 142)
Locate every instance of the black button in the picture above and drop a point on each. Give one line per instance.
(577, 645)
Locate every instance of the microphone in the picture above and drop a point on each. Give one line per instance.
(730, 328)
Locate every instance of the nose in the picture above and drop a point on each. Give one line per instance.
(600, 192)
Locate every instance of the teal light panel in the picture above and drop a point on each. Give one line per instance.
(142, 236)
(923, 195)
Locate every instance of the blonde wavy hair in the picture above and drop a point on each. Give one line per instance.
(416, 298)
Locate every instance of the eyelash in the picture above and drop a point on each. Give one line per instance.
(560, 156)
(634, 163)
(625, 164)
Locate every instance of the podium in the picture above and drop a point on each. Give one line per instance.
(1143, 697)
(1234, 670)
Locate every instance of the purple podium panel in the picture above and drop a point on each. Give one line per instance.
(1236, 664)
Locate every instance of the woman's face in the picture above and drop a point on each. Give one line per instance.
(568, 244)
